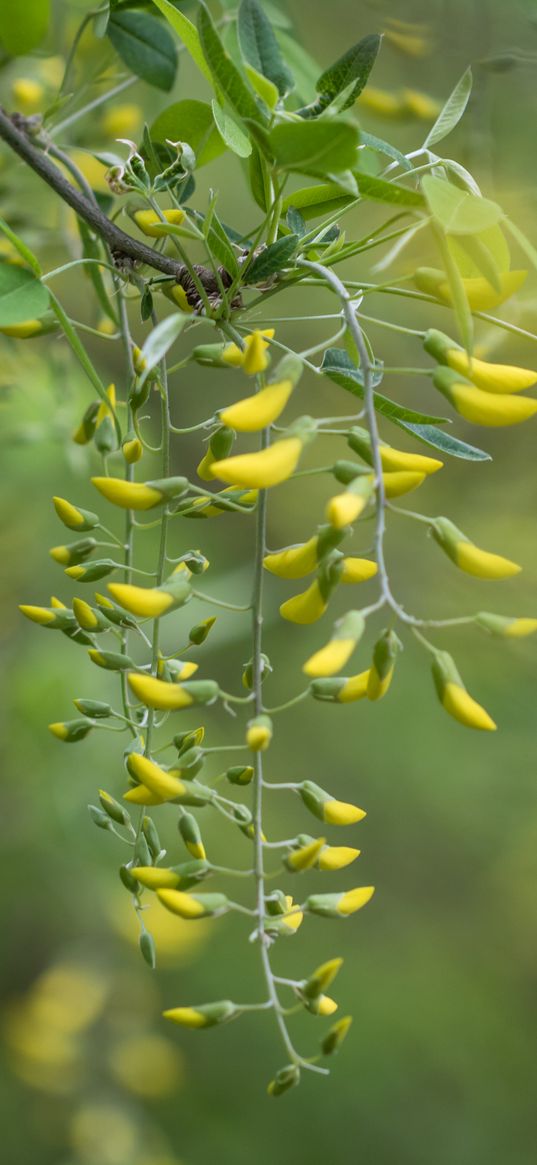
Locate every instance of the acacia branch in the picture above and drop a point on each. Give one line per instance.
(120, 244)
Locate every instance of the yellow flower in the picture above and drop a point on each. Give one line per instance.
(469, 557)
(510, 628)
(193, 906)
(151, 224)
(353, 900)
(394, 460)
(24, 330)
(261, 470)
(294, 561)
(344, 508)
(382, 666)
(502, 378)
(381, 102)
(330, 659)
(259, 734)
(206, 1015)
(354, 688)
(186, 1017)
(158, 693)
(258, 411)
(326, 1005)
(130, 495)
(401, 482)
(481, 295)
(121, 121)
(252, 358)
(144, 601)
(334, 905)
(454, 698)
(142, 796)
(421, 105)
(336, 857)
(28, 95)
(357, 570)
(155, 877)
(159, 782)
(306, 856)
(341, 813)
(42, 615)
(306, 607)
(479, 407)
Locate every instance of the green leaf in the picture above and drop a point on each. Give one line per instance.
(339, 367)
(22, 296)
(452, 111)
(187, 32)
(160, 340)
(265, 89)
(190, 121)
(313, 146)
(230, 132)
(296, 221)
(458, 211)
(382, 147)
(436, 438)
(225, 74)
(314, 201)
(23, 26)
(259, 178)
(272, 259)
(351, 71)
(220, 246)
(260, 48)
(381, 191)
(145, 45)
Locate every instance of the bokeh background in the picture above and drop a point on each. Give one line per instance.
(440, 971)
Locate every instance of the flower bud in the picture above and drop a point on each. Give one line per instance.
(157, 780)
(28, 95)
(240, 774)
(226, 501)
(259, 733)
(306, 607)
(105, 433)
(110, 660)
(454, 697)
(321, 978)
(55, 618)
(152, 838)
(155, 877)
(96, 709)
(204, 1015)
(479, 407)
(489, 377)
(334, 1038)
(193, 906)
(99, 817)
(252, 358)
(112, 807)
(326, 808)
(283, 916)
(127, 879)
(467, 556)
(480, 294)
(152, 602)
(505, 626)
(285, 1079)
(198, 634)
(148, 949)
(74, 517)
(150, 223)
(132, 448)
(191, 761)
(190, 833)
(339, 905)
(341, 689)
(264, 469)
(382, 666)
(220, 445)
(344, 508)
(137, 495)
(91, 571)
(187, 740)
(258, 411)
(265, 668)
(305, 857)
(73, 553)
(87, 617)
(156, 693)
(336, 857)
(84, 433)
(70, 731)
(112, 613)
(347, 633)
(392, 460)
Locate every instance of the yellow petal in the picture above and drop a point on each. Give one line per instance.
(330, 659)
(150, 223)
(155, 878)
(144, 601)
(260, 410)
(357, 570)
(494, 410)
(521, 627)
(180, 903)
(491, 377)
(130, 495)
(377, 685)
(186, 1016)
(154, 778)
(395, 459)
(354, 899)
(261, 470)
(459, 704)
(344, 508)
(294, 562)
(401, 482)
(306, 607)
(336, 857)
(355, 688)
(341, 813)
(159, 694)
(481, 295)
(482, 563)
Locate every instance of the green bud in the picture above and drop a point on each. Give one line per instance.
(128, 880)
(285, 1079)
(111, 660)
(148, 949)
(99, 818)
(114, 614)
(141, 851)
(74, 517)
(96, 709)
(190, 833)
(99, 568)
(71, 731)
(199, 633)
(113, 808)
(209, 354)
(347, 471)
(86, 428)
(335, 1036)
(186, 740)
(265, 669)
(191, 760)
(240, 774)
(221, 443)
(74, 552)
(152, 838)
(105, 438)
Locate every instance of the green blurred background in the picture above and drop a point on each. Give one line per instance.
(440, 971)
